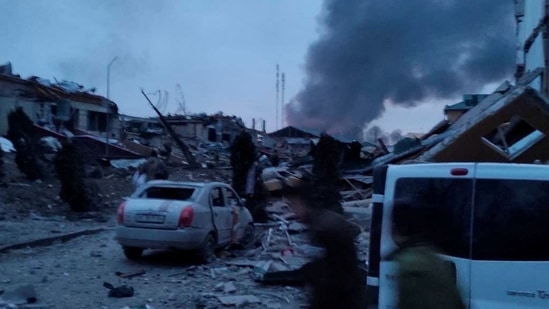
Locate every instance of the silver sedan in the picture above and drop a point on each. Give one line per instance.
(183, 215)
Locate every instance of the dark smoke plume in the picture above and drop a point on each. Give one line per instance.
(401, 51)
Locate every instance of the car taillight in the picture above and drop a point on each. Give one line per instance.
(120, 214)
(186, 217)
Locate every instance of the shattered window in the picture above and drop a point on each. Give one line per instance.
(513, 137)
(217, 197)
(232, 198)
(167, 193)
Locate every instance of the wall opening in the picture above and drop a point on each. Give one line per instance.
(97, 121)
(513, 137)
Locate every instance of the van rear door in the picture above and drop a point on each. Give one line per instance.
(448, 188)
(510, 249)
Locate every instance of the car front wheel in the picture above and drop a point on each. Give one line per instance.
(132, 253)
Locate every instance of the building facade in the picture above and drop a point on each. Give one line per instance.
(532, 46)
(56, 106)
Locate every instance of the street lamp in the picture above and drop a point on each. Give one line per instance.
(107, 126)
(109, 75)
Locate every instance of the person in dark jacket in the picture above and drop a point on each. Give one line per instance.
(424, 279)
(274, 158)
(334, 277)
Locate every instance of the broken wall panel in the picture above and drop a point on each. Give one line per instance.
(514, 129)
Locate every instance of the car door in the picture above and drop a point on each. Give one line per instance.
(448, 189)
(241, 217)
(222, 214)
(510, 248)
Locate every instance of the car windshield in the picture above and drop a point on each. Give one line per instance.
(168, 193)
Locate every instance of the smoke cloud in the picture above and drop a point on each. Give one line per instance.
(404, 52)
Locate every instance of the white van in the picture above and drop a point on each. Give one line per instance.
(493, 229)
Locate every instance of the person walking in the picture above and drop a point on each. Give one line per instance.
(334, 277)
(424, 280)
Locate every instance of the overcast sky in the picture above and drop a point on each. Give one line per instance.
(222, 53)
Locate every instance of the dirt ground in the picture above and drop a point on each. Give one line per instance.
(71, 274)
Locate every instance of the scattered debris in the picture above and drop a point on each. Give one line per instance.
(271, 305)
(229, 287)
(96, 254)
(238, 300)
(120, 291)
(138, 307)
(130, 275)
(25, 294)
(125, 164)
(296, 227)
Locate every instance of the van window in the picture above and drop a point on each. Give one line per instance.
(451, 200)
(511, 220)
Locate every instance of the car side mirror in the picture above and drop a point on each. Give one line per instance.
(243, 200)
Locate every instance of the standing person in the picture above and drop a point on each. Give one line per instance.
(243, 156)
(153, 168)
(424, 280)
(275, 160)
(334, 277)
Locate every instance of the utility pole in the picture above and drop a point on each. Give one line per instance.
(107, 124)
(182, 146)
(109, 76)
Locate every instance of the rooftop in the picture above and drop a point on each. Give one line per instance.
(469, 101)
(55, 90)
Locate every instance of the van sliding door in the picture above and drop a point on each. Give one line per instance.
(510, 249)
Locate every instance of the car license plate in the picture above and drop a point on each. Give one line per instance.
(149, 218)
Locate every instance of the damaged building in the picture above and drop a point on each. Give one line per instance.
(454, 111)
(511, 125)
(63, 110)
(294, 141)
(56, 105)
(532, 44)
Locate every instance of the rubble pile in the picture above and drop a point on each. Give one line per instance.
(284, 249)
(355, 189)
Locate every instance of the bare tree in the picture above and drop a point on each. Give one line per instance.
(373, 133)
(396, 136)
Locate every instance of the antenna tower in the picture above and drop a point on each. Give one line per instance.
(180, 102)
(277, 87)
(282, 101)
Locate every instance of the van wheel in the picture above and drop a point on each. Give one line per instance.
(207, 251)
(132, 253)
(248, 237)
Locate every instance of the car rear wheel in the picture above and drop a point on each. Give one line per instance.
(132, 253)
(248, 237)
(207, 251)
